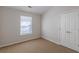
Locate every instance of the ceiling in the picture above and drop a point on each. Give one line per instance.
(35, 9)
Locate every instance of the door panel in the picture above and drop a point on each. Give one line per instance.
(69, 30)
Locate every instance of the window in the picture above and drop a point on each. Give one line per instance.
(25, 25)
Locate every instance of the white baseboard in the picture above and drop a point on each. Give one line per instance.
(19, 41)
(45, 37)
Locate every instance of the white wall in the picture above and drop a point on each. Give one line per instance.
(50, 27)
(0, 24)
(11, 26)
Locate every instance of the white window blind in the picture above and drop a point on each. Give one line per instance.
(25, 25)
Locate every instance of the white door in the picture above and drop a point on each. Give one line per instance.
(69, 30)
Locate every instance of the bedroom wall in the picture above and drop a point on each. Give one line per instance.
(10, 25)
(50, 27)
(0, 24)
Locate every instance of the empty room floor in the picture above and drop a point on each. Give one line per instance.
(36, 46)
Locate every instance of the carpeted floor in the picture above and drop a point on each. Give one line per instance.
(36, 46)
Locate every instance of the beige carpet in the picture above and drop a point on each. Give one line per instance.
(37, 46)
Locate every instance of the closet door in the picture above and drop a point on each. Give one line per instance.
(69, 30)
(65, 30)
(77, 32)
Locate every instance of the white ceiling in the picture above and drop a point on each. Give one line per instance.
(35, 9)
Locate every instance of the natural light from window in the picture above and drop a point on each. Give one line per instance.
(25, 25)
